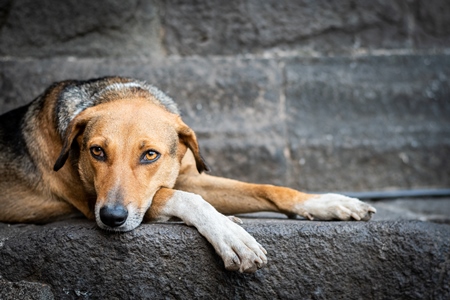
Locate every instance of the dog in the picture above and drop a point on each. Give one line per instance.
(116, 150)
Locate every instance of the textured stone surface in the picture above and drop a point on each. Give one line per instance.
(432, 20)
(31, 28)
(325, 26)
(342, 123)
(375, 121)
(24, 290)
(428, 209)
(83, 28)
(351, 260)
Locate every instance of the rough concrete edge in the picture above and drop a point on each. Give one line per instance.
(24, 290)
(29, 290)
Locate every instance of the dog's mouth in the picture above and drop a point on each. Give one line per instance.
(118, 217)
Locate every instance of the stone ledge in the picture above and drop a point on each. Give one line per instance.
(24, 290)
(351, 260)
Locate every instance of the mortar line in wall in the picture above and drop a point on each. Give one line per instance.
(410, 26)
(296, 53)
(283, 114)
(278, 55)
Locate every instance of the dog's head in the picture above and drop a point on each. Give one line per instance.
(125, 151)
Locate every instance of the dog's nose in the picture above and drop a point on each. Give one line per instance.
(113, 215)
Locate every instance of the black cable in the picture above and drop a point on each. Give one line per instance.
(395, 194)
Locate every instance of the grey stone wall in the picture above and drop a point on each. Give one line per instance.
(320, 96)
(82, 28)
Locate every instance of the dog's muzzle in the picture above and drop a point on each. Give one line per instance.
(113, 215)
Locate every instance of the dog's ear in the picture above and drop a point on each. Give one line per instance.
(75, 127)
(187, 137)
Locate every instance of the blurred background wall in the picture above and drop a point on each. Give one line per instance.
(316, 95)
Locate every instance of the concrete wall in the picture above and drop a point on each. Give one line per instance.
(319, 96)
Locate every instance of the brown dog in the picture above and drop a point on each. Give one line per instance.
(117, 150)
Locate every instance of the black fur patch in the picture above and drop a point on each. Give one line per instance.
(11, 136)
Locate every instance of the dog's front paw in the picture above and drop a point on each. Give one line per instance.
(335, 207)
(238, 249)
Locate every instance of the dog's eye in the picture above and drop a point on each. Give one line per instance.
(98, 153)
(150, 156)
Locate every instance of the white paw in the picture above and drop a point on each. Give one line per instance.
(238, 249)
(335, 207)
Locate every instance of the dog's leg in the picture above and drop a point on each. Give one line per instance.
(233, 197)
(238, 249)
(33, 208)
